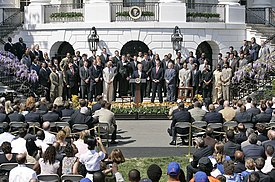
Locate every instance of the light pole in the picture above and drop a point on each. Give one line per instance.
(176, 39)
(93, 39)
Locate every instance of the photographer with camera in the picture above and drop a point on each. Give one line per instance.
(91, 159)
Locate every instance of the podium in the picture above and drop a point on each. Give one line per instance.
(185, 93)
(137, 82)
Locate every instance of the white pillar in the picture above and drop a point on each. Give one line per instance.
(34, 13)
(229, 2)
(172, 11)
(97, 11)
(261, 4)
(234, 12)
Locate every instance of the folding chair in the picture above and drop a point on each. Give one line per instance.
(66, 119)
(33, 125)
(196, 131)
(182, 130)
(80, 127)
(16, 125)
(7, 166)
(60, 125)
(271, 125)
(216, 127)
(71, 177)
(229, 124)
(30, 165)
(48, 177)
(103, 130)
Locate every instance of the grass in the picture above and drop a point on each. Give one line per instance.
(142, 165)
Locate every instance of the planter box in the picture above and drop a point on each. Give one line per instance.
(152, 117)
(133, 116)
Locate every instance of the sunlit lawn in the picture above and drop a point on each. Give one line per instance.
(142, 165)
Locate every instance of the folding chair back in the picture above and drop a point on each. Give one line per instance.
(248, 125)
(103, 130)
(16, 124)
(48, 177)
(66, 119)
(80, 127)
(60, 125)
(71, 177)
(229, 124)
(7, 166)
(197, 128)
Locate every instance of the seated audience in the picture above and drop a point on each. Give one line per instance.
(241, 134)
(16, 116)
(82, 117)
(70, 162)
(228, 113)
(49, 137)
(263, 117)
(271, 137)
(154, 173)
(229, 171)
(209, 140)
(6, 136)
(262, 132)
(40, 137)
(67, 111)
(272, 172)
(19, 144)
(79, 143)
(230, 147)
(7, 156)
(239, 162)
(250, 167)
(254, 110)
(34, 153)
(253, 150)
(51, 116)
(269, 152)
(243, 116)
(260, 162)
(3, 116)
(213, 116)
(134, 175)
(97, 105)
(32, 116)
(197, 113)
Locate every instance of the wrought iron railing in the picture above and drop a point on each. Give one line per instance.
(63, 13)
(120, 11)
(256, 15)
(13, 19)
(202, 12)
(272, 16)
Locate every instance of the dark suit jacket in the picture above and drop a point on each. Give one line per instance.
(94, 73)
(9, 47)
(243, 117)
(39, 53)
(15, 116)
(96, 107)
(261, 137)
(4, 118)
(230, 148)
(195, 78)
(254, 151)
(79, 118)
(239, 167)
(43, 107)
(67, 112)
(254, 111)
(51, 117)
(20, 49)
(133, 67)
(103, 60)
(157, 75)
(272, 175)
(263, 177)
(199, 153)
(220, 107)
(35, 68)
(240, 137)
(268, 142)
(32, 117)
(209, 141)
(72, 79)
(170, 76)
(44, 77)
(180, 116)
(147, 66)
(213, 117)
(245, 49)
(263, 117)
(255, 51)
(269, 110)
(83, 76)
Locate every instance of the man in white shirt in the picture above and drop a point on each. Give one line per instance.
(6, 136)
(269, 150)
(49, 138)
(19, 145)
(40, 136)
(21, 173)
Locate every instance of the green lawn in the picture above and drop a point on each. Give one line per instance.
(142, 165)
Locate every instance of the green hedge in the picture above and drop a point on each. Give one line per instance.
(143, 13)
(66, 15)
(201, 15)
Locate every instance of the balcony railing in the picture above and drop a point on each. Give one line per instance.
(120, 11)
(64, 13)
(255, 15)
(198, 12)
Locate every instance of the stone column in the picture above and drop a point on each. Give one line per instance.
(172, 11)
(6, 4)
(34, 13)
(234, 12)
(97, 11)
(261, 4)
(229, 2)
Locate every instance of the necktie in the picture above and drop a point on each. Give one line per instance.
(109, 70)
(157, 69)
(72, 71)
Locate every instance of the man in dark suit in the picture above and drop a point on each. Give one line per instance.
(139, 73)
(254, 49)
(32, 116)
(115, 61)
(208, 139)
(272, 172)
(243, 116)
(85, 81)
(260, 162)
(179, 115)
(263, 117)
(269, 109)
(20, 48)
(35, 65)
(201, 151)
(213, 116)
(82, 117)
(104, 57)
(254, 110)
(67, 111)
(147, 67)
(253, 150)
(95, 74)
(241, 135)
(44, 79)
(50, 116)
(3, 116)
(230, 147)
(91, 59)
(9, 46)
(178, 66)
(124, 72)
(170, 82)
(97, 105)
(271, 141)
(244, 48)
(133, 68)
(157, 78)
(72, 81)
(15, 116)
(206, 77)
(239, 162)
(38, 53)
(195, 78)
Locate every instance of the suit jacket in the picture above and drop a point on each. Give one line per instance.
(39, 53)
(51, 117)
(35, 68)
(124, 69)
(79, 118)
(243, 117)
(239, 167)
(54, 78)
(4, 118)
(103, 59)
(199, 153)
(240, 137)
(67, 112)
(254, 51)
(269, 142)
(195, 78)
(133, 66)
(254, 151)
(15, 116)
(209, 141)
(254, 111)
(263, 117)
(272, 175)
(147, 66)
(94, 72)
(96, 107)
(197, 114)
(105, 115)
(108, 74)
(245, 48)
(84, 75)
(9, 47)
(32, 117)
(72, 79)
(170, 76)
(44, 77)
(269, 110)
(213, 117)
(181, 116)
(263, 177)
(230, 148)
(157, 75)
(20, 49)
